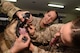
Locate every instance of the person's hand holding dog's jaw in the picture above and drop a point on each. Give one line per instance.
(19, 44)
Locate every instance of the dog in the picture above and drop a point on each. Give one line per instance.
(8, 37)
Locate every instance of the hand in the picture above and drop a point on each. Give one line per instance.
(20, 14)
(19, 44)
(31, 29)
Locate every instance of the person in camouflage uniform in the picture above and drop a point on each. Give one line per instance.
(41, 24)
(68, 39)
(8, 8)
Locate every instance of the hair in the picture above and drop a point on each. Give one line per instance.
(76, 33)
(55, 12)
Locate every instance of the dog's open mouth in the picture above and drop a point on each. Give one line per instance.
(22, 30)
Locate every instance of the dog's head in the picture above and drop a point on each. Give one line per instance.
(13, 28)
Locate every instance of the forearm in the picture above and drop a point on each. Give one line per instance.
(10, 51)
(46, 35)
(35, 49)
(43, 36)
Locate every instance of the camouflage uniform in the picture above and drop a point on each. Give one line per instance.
(45, 36)
(42, 36)
(55, 50)
(43, 32)
(9, 9)
(36, 23)
(47, 33)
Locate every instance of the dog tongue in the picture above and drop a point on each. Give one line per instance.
(22, 30)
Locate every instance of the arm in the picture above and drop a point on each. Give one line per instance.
(18, 45)
(35, 49)
(12, 11)
(45, 36)
(9, 9)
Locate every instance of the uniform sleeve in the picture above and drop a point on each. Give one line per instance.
(7, 51)
(39, 50)
(9, 9)
(46, 35)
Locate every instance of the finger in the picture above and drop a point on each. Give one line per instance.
(21, 16)
(26, 35)
(27, 42)
(32, 27)
(22, 19)
(28, 39)
(29, 29)
(20, 37)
